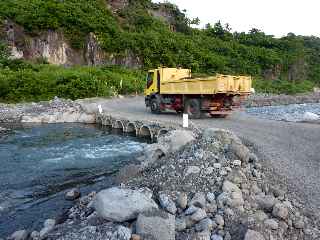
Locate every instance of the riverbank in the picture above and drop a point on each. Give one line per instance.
(209, 186)
(248, 195)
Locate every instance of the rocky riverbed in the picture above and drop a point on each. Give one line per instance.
(190, 185)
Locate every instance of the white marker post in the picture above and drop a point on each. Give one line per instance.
(100, 109)
(185, 120)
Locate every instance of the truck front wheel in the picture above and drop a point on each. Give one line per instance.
(193, 108)
(155, 105)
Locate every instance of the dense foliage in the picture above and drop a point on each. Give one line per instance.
(22, 81)
(290, 64)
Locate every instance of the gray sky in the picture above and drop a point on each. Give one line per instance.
(275, 17)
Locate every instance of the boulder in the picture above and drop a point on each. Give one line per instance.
(181, 224)
(19, 235)
(120, 205)
(240, 150)
(205, 225)
(201, 236)
(178, 139)
(253, 235)
(198, 215)
(156, 225)
(234, 192)
(272, 224)
(167, 204)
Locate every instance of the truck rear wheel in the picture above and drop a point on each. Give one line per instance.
(155, 105)
(193, 108)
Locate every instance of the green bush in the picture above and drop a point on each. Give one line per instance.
(43, 82)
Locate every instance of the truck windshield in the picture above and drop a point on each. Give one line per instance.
(150, 79)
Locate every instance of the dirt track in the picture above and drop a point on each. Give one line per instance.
(292, 149)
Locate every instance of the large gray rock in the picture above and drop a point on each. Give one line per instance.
(198, 200)
(120, 205)
(156, 225)
(266, 202)
(177, 139)
(253, 235)
(182, 200)
(235, 194)
(240, 150)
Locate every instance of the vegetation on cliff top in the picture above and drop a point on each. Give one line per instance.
(290, 64)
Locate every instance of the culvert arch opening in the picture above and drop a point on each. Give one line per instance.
(146, 132)
(131, 128)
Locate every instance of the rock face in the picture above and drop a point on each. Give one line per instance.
(53, 47)
(119, 205)
(156, 225)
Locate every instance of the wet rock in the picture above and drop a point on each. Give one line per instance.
(167, 204)
(119, 205)
(280, 211)
(198, 200)
(272, 224)
(156, 224)
(19, 235)
(49, 225)
(182, 200)
(73, 194)
(253, 235)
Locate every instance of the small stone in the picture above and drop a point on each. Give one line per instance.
(223, 172)
(211, 207)
(272, 224)
(216, 237)
(211, 197)
(205, 225)
(253, 235)
(182, 200)
(219, 220)
(260, 216)
(280, 211)
(167, 204)
(73, 194)
(19, 235)
(227, 236)
(208, 171)
(236, 163)
(217, 165)
(198, 215)
(192, 170)
(198, 200)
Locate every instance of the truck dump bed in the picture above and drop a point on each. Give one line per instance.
(180, 82)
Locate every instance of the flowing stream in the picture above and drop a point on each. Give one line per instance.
(39, 163)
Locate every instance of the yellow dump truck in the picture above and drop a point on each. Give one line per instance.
(175, 89)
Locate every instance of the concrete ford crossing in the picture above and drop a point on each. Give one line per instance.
(176, 89)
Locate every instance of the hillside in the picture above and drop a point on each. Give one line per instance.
(140, 34)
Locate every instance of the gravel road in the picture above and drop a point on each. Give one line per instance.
(292, 149)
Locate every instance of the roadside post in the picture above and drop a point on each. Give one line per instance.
(185, 121)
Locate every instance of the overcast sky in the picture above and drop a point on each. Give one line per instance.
(274, 17)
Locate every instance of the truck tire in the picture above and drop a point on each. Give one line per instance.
(155, 105)
(193, 108)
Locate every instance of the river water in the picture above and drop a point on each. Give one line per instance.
(39, 163)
